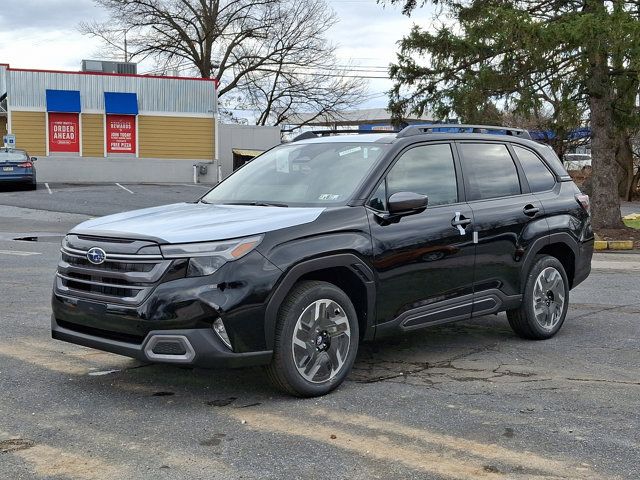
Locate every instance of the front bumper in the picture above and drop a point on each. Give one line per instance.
(201, 347)
(178, 306)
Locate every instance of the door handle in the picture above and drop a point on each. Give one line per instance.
(530, 210)
(459, 221)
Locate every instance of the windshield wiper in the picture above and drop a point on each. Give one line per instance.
(257, 204)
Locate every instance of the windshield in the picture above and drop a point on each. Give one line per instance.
(12, 156)
(310, 174)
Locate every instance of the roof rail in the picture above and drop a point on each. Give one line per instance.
(324, 133)
(461, 127)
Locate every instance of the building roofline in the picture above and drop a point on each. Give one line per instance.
(69, 72)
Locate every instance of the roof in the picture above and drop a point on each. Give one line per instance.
(353, 117)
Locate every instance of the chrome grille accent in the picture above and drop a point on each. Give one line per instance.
(122, 279)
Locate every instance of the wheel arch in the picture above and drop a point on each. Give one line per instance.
(559, 245)
(347, 271)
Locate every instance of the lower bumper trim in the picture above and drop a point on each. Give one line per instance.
(202, 347)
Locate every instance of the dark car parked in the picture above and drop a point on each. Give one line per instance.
(325, 242)
(16, 167)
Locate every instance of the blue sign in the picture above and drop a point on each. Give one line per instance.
(9, 140)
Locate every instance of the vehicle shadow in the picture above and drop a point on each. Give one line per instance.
(12, 187)
(385, 359)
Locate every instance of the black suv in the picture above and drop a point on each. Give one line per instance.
(325, 242)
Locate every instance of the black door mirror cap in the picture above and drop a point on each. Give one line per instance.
(407, 203)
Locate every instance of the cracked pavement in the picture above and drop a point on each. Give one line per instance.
(464, 400)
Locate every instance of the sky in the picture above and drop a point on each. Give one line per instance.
(43, 34)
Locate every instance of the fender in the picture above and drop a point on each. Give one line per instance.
(348, 260)
(539, 244)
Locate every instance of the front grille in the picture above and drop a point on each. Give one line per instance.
(124, 278)
(113, 266)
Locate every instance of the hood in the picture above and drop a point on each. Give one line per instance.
(196, 222)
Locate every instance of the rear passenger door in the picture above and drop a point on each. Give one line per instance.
(507, 219)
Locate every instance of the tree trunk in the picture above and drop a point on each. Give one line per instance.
(605, 198)
(635, 185)
(605, 204)
(624, 160)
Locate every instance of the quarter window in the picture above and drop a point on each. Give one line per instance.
(378, 200)
(490, 171)
(538, 175)
(428, 170)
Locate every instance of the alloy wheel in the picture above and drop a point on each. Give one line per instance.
(548, 298)
(321, 340)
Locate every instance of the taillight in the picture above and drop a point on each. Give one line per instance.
(26, 165)
(583, 200)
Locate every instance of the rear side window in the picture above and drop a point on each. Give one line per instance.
(538, 175)
(428, 170)
(490, 171)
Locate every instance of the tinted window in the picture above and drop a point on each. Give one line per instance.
(490, 170)
(427, 170)
(538, 175)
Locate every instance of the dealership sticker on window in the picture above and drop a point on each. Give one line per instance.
(328, 196)
(351, 150)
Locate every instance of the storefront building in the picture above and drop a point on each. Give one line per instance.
(91, 114)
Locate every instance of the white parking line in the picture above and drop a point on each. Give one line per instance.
(18, 253)
(124, 188)
(48, 189)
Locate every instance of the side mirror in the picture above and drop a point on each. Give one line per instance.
(407, 203)
(33, 159)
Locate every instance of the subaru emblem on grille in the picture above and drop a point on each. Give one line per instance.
(96, 255)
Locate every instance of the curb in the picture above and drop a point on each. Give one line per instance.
(600, 245)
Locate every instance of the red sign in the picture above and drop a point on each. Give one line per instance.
(121, 134)
(64, 132)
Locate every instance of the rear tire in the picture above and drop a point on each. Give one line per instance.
(545, 301)
(316, 340)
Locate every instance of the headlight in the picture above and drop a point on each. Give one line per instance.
(207, 257)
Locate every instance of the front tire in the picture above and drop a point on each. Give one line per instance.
(545, 301)
(316, 340)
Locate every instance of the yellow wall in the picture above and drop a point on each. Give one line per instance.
(92, 135)
(3, 126)
(29, 129)
(175, 137)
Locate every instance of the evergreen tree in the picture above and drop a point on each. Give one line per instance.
(528, 56)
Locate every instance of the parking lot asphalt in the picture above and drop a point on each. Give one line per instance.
(466, 400)
(100, 199)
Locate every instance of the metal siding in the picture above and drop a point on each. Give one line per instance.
(29, 129)
(3, 79)
(92, 135)
(154, 94)
(176, 137)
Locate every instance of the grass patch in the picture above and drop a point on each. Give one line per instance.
(632, 223)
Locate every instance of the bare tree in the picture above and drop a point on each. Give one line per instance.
(270, 56)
